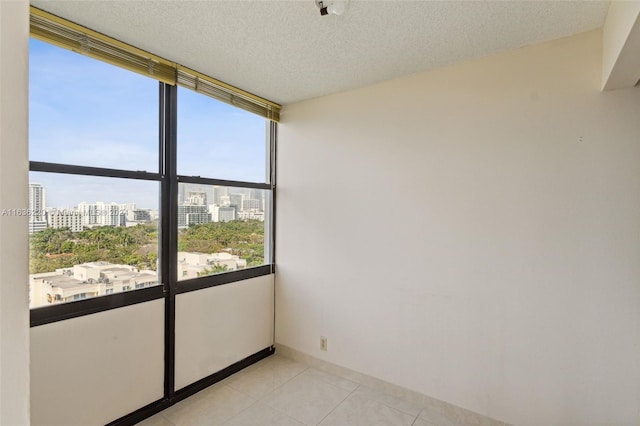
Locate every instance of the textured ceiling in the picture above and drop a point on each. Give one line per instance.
(286, 52)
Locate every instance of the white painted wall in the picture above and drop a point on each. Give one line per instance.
(219, 326)
(14, 292)
(472, 233)
(97, 368)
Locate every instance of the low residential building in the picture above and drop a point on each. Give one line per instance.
(193, 265)
(85, 281)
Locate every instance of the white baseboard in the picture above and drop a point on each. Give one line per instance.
(461, 415)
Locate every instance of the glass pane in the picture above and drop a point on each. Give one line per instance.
(219, 141)
(89, 113)
(90, 236)
(220, 229)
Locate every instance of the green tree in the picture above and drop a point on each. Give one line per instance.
(60, 248)
(241, 238)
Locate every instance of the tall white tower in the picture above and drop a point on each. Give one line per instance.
(37, 199)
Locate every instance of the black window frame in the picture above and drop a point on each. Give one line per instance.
(169, 180)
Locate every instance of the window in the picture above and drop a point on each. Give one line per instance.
(221, 228)
(88, 231)
(136, 186)
(219, 140)
(97, 115)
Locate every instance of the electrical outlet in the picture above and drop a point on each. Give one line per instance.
(323, 343)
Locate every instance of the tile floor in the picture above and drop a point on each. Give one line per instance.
(279, 391)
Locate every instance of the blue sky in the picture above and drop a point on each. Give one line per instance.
(85, 112)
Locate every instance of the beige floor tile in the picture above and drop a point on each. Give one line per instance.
(435, 418)
(306, 399)
(265, 376)
(157, 420)
(358, 410)
(391, 401)
(282, 392)
(210, 407)
(421, 422)
(340, 382)
(260, 414)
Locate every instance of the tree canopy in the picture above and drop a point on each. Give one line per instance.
(241, 238)
(138, 245)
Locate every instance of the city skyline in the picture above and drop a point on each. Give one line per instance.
(198, 204)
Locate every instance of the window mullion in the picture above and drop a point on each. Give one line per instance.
(168, 224)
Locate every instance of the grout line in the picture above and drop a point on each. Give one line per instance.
(278, 387)
(391, 396)
(284, 413)
(255, 401)
(338, 404)
(322, 379)
(283, 383)
(417, 417)
(165, 418)
(358, 386)
(293, 377)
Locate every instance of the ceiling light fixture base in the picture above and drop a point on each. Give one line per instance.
(332, 7)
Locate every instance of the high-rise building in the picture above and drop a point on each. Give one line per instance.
(37, 215)
(138, 215)
(226, 214)
(218, 192)
(103, 214)
(236, 200)
(89, 213)
(110, 214)
(196, 198)
(192, 215)
(251, 204)
(127, 207)
(212, 193)
(36, 201)
(223, 213)
(193, 211)
(72, 219)
(258, 194)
